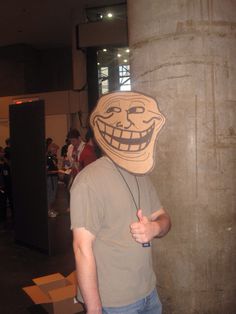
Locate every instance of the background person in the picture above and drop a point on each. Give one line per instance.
(3, 194)
(6, 156)
(73, 153)
(7, 150)
(88, 154)
(52, 177)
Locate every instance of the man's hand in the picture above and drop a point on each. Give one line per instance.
(145, 229)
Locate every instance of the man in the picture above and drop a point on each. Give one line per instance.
(75, 148)
(7, 150)
(115, 211)
(52, 177)
(73, 153)
(4, 167)
(88, 154)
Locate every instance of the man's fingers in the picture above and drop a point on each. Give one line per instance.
(139, 238)
(135, 225)
(137, 228)
(140, 215)
(141, 218)
(136, 237)
(137, 232)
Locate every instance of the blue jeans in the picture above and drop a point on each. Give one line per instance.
(52, 183)
(149, 305)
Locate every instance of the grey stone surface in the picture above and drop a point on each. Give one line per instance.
(183, 53)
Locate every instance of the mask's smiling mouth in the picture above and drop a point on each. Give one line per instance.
(123, 140)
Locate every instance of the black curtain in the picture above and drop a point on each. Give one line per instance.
(28, 168)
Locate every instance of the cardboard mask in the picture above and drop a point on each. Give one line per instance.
(126, 125)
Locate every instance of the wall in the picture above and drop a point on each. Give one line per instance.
(4, 131)
(25, 69)
(55, 70)
(58, 108)
(56, 127)
(12, 70)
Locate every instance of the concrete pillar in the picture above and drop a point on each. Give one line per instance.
(183, 53)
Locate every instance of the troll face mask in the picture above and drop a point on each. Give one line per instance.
(126, 125)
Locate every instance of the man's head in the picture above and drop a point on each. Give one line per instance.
(53, 148)
(1, 152)
(126, 125)
(7, 141)
(74, 137)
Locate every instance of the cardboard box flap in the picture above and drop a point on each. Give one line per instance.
(37, 295)
(62, 293)
(54, 285)
(46, 279)
(72, 278)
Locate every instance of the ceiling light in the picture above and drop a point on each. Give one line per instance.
(104, 50)
(98, 63)
(118, 55)
(127, 50)
(109, 15)
(125, 60)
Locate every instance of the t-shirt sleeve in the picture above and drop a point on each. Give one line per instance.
(85, 208)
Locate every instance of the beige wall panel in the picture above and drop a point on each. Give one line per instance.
(4, 132)
(60, 102)
(56, 127)
(58, 107)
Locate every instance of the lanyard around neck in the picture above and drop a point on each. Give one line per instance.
(137, 204)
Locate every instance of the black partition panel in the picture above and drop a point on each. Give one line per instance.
(27, 134)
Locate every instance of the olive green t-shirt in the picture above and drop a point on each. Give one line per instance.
(102, 203)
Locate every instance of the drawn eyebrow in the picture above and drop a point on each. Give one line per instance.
(113, 109)
(115, 103)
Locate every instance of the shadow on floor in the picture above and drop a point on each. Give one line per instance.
(19, 265)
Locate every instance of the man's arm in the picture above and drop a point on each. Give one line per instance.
(86, 269)
(147, 228)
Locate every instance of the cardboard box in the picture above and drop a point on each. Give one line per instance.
(55, 293)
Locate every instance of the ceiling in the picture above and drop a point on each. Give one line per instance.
(42, 23)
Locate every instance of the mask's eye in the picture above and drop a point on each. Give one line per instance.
(136, 109)
(113, 109)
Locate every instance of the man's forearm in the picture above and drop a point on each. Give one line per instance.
(161, 225)
(87, 279)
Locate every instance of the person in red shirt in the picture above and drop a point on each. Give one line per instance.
(89, 153)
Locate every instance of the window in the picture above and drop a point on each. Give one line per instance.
(113, 69)
(124, 77)
(103, 80)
